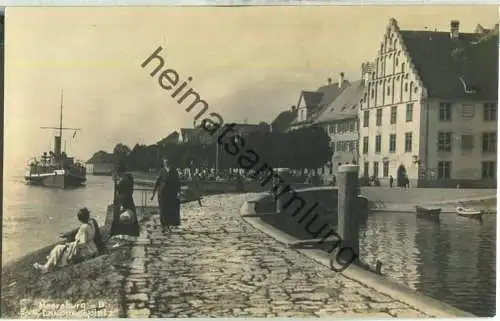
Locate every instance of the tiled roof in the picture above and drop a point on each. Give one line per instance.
(330, 92)
(345, 106)
(312, 98)
(445, 65)
(321, 98)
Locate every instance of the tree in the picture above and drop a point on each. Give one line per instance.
(120, 153)
(310, 148)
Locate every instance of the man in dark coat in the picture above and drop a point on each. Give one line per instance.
(168, 186)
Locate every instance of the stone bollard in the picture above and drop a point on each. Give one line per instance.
(284, 174)
(349, 217)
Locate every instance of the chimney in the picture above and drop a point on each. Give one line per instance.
(329, 81)
(454, 29)
(341, 79)
(366, 70)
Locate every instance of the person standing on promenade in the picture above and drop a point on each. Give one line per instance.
(391, 181)
(124, 189)
(168, 186)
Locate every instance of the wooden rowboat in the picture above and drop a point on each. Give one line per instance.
(427, 212)
(469, 213)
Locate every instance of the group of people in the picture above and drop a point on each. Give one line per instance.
(86, 241)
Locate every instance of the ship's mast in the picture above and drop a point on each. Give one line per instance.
(60, 117)
(58, 139)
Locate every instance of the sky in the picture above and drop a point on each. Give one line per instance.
(248, 63)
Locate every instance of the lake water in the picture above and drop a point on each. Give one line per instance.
(453, 261)
(34, 216)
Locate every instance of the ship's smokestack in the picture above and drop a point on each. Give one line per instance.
(57, 146)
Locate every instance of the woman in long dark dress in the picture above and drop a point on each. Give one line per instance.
(124, 189)
(168, 186)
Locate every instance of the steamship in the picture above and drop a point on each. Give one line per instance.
(56, 168)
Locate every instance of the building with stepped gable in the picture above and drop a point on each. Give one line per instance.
(430, 107)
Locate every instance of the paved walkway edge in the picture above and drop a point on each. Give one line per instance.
(403, 293)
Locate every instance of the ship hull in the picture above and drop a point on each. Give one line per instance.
(56, 180)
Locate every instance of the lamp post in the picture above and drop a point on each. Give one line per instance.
(216, 159)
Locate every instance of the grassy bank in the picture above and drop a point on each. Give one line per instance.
(96, 279)
(100, 278)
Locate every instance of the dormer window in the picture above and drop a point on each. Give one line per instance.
(467, 89)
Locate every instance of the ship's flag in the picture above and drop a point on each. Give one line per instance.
(74, 134)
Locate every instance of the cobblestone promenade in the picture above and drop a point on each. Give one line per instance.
(216, 265)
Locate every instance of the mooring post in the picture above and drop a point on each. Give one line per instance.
(284, 174)
(349, 217)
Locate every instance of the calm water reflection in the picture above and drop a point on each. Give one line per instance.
(452, 261)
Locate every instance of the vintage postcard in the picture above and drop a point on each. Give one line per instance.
(252, 161)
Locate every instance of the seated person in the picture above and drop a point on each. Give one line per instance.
(101, 246)
(83, 246)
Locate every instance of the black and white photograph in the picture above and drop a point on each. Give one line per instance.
(249, 161)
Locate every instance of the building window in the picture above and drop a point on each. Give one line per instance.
(468, 111)
(366, 118)
(332, 146)
(409, 112)
(444, 141)
(490, 112)
(352, 126)
(444, 170)
(385, 169)
(397, 61)
(365, 169)
(379, 117)
(372, 93)
(388, 90)
(467, 142)
(375, 169)
(445, 112)
(406, 87)
(490, 142)
(394, 114)
(392, 143)
(403, 67)
(378, 143)
(408, 142)
(365, 145)
(488, 170)
(340, 146)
